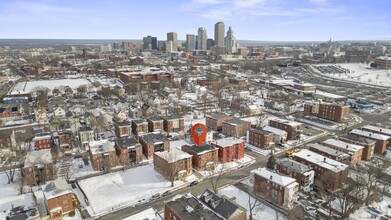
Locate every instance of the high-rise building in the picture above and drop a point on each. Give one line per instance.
(169, 46)
(150, 43)
(173, 36)
(115, 45)
(190, 42)
(219, 33)
(202, 38)
(210, 43)
(230, 42)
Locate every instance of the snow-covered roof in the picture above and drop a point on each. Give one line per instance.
(56, 188)
(291, 123)
(274, 177)
(38, 157)
(320, 160)
(101, 146)
(370, 134)
(173, 155)
(226, 142)
(274, 130)
(344, 145)
(377, 129)
(329, 95)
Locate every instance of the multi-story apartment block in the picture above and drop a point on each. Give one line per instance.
(86, 135)
(336, 172)
(42, 141)
(354, 151)
(174, 164)
(277, 189)
(153, 142)
(58, 198)
(139, 126)
(329, 152)
(260, 138)
(236, 127)
(376, 129)
(129, 151)
(279, 135)
(329, 111)
(205, 157)
(174, 123)
(38, 167)
(146, 75)
(102, 155)
(303, 174)
(230, 149)
(368, 144)
(123, 129)
(215, 121)
(155, 124)
(292, 128)
(383, 62)
(63, 140)
(381, 140)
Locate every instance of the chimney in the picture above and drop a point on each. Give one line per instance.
(380, 129)
(271, 177)
(370, 134)
(324, 159)
(347, 146)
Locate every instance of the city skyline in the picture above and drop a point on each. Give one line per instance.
(260, 20)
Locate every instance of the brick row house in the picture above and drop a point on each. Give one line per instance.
(63, 140)
(236, 127)
(215, 121)
(139, 126)
(303, 174)
(329, 152)
(58, 198)
(155, 124)
(129, 151)
(174, 164)
(153, 142)
(260, 138)
(42, 141)
(354, 151)
(205, 157)
(123, 129)
(173, 123)
(367, 144)
(293, 129)
(382, 141)
(86, 135)
(229, 149)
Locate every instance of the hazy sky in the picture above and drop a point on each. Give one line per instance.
(274, 20)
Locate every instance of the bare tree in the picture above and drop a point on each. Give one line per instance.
(253, 204)
(296, 213)
(349, 196)
(214, 178)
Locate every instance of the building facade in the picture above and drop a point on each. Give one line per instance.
(292, 128)
(205, 157)
(153, 142)
(260, 138)
(329, 111)
(215, 121)
(102, 154)
(236, 127)
(174, 164)
(230, 149)
(302, 173)
(129, 151)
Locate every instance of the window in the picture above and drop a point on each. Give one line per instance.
(65, 201)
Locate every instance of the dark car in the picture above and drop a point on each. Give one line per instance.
(194, 183)
(166, 193)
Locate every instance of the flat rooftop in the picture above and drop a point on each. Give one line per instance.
(274, 130)
(369, 134)
(329, 150)
(343, 145)
(202, 149)
(294, 165)
(291, 123)
(226, 142)
(173, 155)
(320, 160)
(377, 129)
(274, 177)
(236, 121)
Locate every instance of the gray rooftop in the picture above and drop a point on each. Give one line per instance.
(218, 115)
(294, 165)
(236, 121)
(152, 138)
(126, 142)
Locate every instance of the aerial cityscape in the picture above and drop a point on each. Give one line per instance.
(252, 110)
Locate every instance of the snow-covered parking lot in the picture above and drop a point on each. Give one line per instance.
(117, 190)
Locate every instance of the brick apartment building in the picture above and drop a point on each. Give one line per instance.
(146, 76)
(38, 167)
(153, 142)
(63, 140)
(42, 141)
(368, 144)
(279, 135)
(186, 206)
(139, 126)
(155, 124)
(260, 138)
(275, 188)
(58, 198)
(86, 135)
(292, 128)
(329, 111)
(329, 152)
(383, 62)
(215, 121)
(302, 173)
(205, 157)
(236, 127)
(123, 129)
(230, 149)
(354, 151)
(102, 155)
(129, 151)
(173, 123)
(174, 164)
(224, 206)
(337, 172)
(376, 129)
(382, 141)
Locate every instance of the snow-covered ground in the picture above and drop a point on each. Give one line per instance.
(365, 214)
(117, 190)
(242, 198)
(178, 144)
(362, 73)
(50, 84)
(148, 214)
(222, 168)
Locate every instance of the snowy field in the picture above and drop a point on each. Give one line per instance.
(362, 73)
(122, 189)
(50, 84)
(149, 214)
(365, 214)
(242, 198)
(9, 195)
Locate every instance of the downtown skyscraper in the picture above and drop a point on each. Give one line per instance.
(230, 42)
(173, 37)
(219, 34)
(202, 39)
(190, 42)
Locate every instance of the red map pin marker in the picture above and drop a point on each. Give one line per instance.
(197, 136)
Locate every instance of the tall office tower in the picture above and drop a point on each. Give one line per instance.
(173, 36)
(202, 38)
(150, 43)
(219, 33)
(210, 43)
(230, 42)
(190, 41)
(115, 45)
(169, 46)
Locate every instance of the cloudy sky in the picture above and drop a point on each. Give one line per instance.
(272, 20)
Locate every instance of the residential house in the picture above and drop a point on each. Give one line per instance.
(230, 149)
(153, 142)
(123, 128)
(38, 167)
(58, 198)
(42, 141)
(155, 124)
(86, 135)
(135, 112)
(102, 155)
(329, 152)
(139, 126)
(329, 111)
(174, 123)
(121, 115)
(236, 127)
(174, 164)
(215, 121)
(205, 156)
(59, 112)
(279, 136)
(303, 174)
(382, 140)
(129, 151)
(260, 138)
(63, 140)
(278, 189)
(41, 116)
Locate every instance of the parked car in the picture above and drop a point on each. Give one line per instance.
(155, 196)
(80, 165)
(194, 183)
(166, 193)
(375, 210)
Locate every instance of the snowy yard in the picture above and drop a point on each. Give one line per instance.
(245, 161)
(50, 84)
(149, 214)
(122, 189)
(242, 198)
(364, 213)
